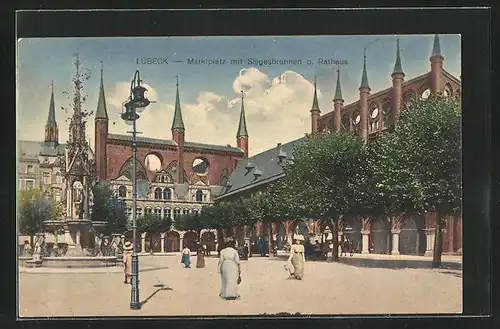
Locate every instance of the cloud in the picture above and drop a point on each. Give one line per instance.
(277, 111)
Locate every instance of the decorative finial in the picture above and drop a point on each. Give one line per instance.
(338, 69)
(242, 95)
(177, 78)
(314, 81)
(364, 53)
(52, 85)
(101, 67)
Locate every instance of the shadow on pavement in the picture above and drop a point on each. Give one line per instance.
(152, 268)
(160, 288)
(397, 263)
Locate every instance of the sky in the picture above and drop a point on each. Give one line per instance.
(278, 97)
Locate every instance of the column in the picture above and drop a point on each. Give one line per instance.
(429, 235)
(181, 241)
(365, 242)
(395, 242)
(67, 237)
(77, 233)
(143, 242)
(162, 242)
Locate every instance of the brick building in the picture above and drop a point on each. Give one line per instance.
(189, 176)
(368, 116)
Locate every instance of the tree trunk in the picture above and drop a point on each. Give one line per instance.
(335, 238)
(438, 241)
(270, 235)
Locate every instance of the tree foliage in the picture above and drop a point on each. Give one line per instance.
(153, 223)
(33, 209)
(109, 208)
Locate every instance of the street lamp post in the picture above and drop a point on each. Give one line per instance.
(135, 103)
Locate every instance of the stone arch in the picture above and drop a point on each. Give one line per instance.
(374, 116)
(448, 90)
(200, 166)
(352, 231)
(409, 98)
(379, 235)
(208, 239)
(122, 191)
(126, 170)
(356, 120)
(190, 240)
(172, 241)
(412, 240)
(153, 242)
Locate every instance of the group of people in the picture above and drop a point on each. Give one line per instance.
(229, 264)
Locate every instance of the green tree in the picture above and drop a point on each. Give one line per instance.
(109, 208)
(328, 179)
(191, 222)
(151, 224)
(33, 209)
(420, 163)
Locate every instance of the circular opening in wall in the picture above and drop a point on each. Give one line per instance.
(200, 166)
(357, 119)
(153, 162)
(374, 113)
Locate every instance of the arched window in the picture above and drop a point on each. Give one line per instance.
(374, 117)
(158, 211)
(199, 196)
(167, 179)
(167, 213)
(138, 212)
(356, 119)
(177, 213)
(424, 93)
(167, 194)
(149, 210)
(195, 211)
(409, 99)
(346, 122)
(386, 115)
(158, 193)
(122, 191)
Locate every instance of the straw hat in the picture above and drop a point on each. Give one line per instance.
(299, 237)
(128, 246)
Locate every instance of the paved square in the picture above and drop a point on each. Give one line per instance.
(327, 288)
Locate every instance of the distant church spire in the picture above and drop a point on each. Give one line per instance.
(436, 49)
(177, 123)
(101, 112)
(52, 108)
(242, 127)
(51, 129)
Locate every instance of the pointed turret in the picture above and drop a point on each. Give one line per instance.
(242, 134)
(177, 123)
(436, 60)
(101, 132)
(315, 106)
(338, 88)
(242, 127)
(364, 92)
(338, 103)
(101, 112)
(436, 49)
(398, 68)
(51, 129)
(364, 76)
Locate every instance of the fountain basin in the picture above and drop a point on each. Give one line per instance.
(79, 262)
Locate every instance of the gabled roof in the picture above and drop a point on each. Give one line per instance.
(148, 140)
(34, 149)
(268, 164)
(213, 147)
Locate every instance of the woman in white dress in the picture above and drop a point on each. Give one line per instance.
(297, 257)
(229, 269)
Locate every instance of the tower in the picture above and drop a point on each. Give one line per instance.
(178, 134)
(242, 134)
(101, 132)
(315, 111)
(338, 103)
(397, 85)
(364, 92)
(51, 129)
(436, 60)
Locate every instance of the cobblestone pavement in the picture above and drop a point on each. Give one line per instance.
(355, 286)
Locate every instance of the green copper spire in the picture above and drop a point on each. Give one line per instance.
(242, 127)
(101, 112)
(52, 108)
(398, 68)
(315, 106)
(364, 77)
(338, 89)
(178, 123)
(436, 50)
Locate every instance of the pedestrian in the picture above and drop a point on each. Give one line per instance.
(206, 251)
(200, 257)
(186, 257)
(230, 271)
(297, 257)
(127, 261)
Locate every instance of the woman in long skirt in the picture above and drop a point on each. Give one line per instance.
(127, 261)
(229, 269)
(200, 257)
(186, 257)
(297, 258)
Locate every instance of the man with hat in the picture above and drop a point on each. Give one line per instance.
(127, 261)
